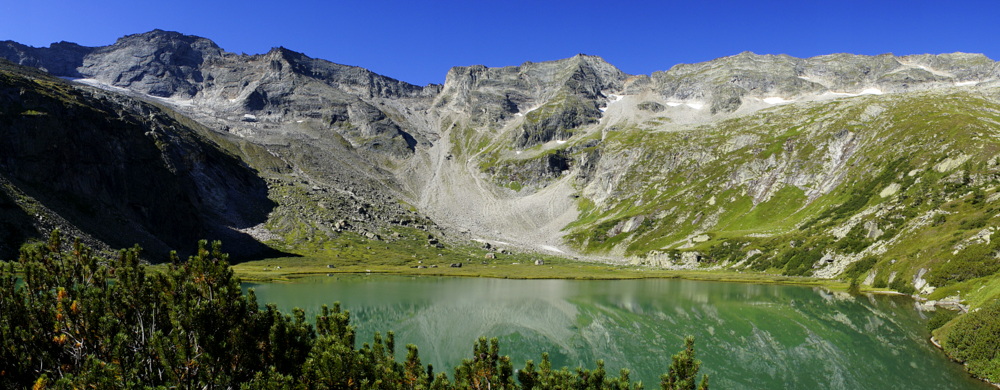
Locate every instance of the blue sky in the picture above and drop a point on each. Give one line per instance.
(418, 41)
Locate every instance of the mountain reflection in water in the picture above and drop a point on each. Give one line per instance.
(748, 336)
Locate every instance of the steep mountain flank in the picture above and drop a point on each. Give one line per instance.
(476, 176)
(119, 170)
(849, 174)
(324, 136)
(554, 98)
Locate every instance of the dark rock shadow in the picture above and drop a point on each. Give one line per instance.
(16, 227)
(124, 171)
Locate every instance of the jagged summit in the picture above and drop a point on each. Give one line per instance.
(61, 58)
(162, 35)
(160, 63)
(167, 63)
(728, 83)
(508, 91)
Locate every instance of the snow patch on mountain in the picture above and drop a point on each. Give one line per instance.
(776, 100)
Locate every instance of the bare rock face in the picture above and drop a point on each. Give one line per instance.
(158, 63)
(270, 88)
(283, 87)
(552, 97)
(60, 59)
(170, 64)
(725, 84)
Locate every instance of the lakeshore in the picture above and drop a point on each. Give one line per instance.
(291, 268)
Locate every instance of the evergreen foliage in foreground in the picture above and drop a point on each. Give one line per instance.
(974, 339)
(77, 320)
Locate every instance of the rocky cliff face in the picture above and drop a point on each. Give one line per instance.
(804, 166)
(280, 86)
(158, 63)
(553, 98)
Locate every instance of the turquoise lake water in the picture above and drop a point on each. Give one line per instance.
(748, 336)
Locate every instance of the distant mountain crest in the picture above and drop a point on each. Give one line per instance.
(60, 59)
(166, 63)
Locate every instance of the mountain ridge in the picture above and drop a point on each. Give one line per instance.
(494, 116)
(265, 98)
(37, 57)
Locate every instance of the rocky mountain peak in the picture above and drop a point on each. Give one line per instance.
(64, 45)
(159, 63)
(158, 35)
(288, 55)
(592, 74)
(161, 41)
(964, 66)
(351, 79)
(549, 73)
(171, 48)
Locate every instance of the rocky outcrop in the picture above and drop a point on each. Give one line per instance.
(726, 84)
(533, 173)
(548, 99)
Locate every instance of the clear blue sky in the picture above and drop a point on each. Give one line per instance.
(418, 41)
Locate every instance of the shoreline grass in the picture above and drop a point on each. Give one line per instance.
(289, 269)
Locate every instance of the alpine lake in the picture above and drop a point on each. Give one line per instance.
(748, 336)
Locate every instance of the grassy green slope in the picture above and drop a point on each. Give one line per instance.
(907, 178)
(894, 191)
